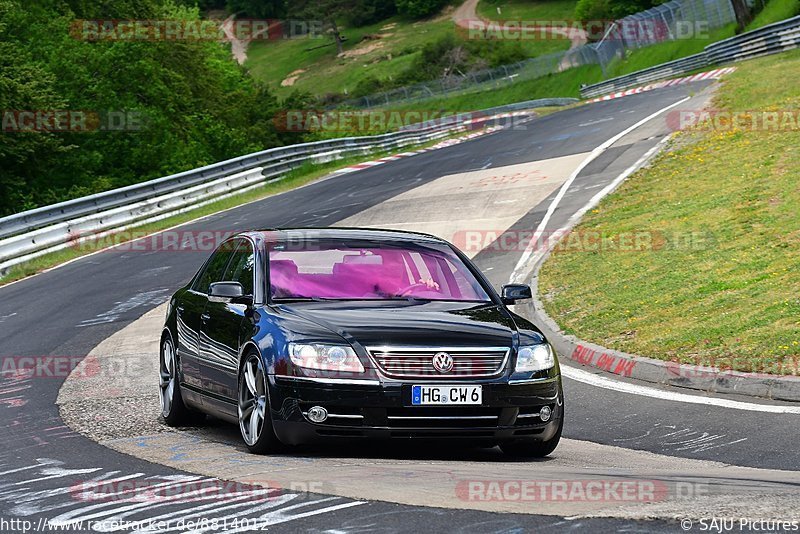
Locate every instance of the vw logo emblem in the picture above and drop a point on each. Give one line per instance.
(442, 362)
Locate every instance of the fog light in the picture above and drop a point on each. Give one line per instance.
(318, 414)
(545, 413)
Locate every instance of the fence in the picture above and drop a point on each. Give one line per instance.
(480, 80)
(678, 19)
(673, 20)
(771, 39)
(27, 235)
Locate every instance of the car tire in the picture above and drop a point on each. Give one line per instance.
(528, 448)
(255, 421)
(173, 410)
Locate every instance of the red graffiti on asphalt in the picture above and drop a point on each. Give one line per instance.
(603, 360)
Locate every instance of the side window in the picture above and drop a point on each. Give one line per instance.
(241, 268)
(215, 267)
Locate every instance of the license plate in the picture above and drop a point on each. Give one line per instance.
(445, 395)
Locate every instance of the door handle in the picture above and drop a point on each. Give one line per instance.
(180, 309)
(205, 317)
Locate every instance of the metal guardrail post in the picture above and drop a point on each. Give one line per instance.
(34, 232)
(771, 39)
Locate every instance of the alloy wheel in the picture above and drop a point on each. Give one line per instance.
(167, 377)
(252, 400)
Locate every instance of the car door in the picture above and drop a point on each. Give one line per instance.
(190, 310)
(224, 326)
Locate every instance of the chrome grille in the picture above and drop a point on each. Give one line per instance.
(417, 362)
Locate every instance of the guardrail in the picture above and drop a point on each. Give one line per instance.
(659, 72)
(29, 234)
(478, 117)
(771, 39)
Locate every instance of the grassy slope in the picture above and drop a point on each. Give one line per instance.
(663, 52)
(774, 11)
(273, 61)
(326, 73)
(527, 9)
(563, 84)
(731, 296)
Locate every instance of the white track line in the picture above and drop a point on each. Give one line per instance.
(523, 261)
(610, 383)
(555, 236)
(330, 176)
(592, 379)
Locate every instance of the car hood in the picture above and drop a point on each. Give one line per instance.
(416, 323)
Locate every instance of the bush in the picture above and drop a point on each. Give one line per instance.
(366, 12)
(368, 86)
(611, 9)
(447, 57)
(419, 8)
(197, 105)
(257, 8)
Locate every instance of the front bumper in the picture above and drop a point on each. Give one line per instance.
(383, 411)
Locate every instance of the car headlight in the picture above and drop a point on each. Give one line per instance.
(325, 357)
(532, 358)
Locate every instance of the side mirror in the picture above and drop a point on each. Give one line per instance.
(228, 292)
(514, 292)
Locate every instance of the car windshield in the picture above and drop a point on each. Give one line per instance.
(334, 269)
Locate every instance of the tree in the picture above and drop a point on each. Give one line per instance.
(327, 12)
(419, 8)
(267, 9)
(743, 14)
(24, 86)
(605, 10)
(193, 104)
(370, 11)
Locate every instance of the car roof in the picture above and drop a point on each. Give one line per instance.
(289, 234)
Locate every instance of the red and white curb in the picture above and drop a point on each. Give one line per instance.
(712, 74)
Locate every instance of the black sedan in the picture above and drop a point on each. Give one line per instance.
(306, 334)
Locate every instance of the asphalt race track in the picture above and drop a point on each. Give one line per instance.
(68, 311)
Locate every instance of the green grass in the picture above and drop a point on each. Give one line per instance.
(721, 285)
(642, 58)
(273, 61)
(325, 73)
(562, 84)
(400, 41)
(527, 10)
(292, 180)
(774, 11)
(649, 56)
